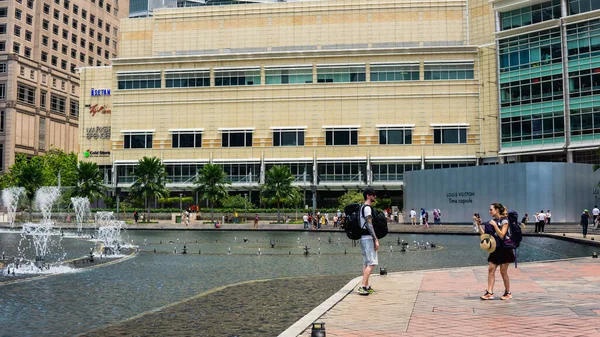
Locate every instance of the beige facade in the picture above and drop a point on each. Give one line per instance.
(42, 45)
(312, 36)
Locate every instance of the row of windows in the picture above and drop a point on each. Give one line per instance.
(530, 50)
(302, 74)
(296, 138)
(26, 94)
(583, 40)
(535, 90)
(585, 121)
(536, 126)
(545, 11)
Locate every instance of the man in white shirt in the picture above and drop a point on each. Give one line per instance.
(595, 213)
(413, 217)
(541, 221)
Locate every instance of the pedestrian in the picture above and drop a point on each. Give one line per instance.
(595, 212)
(305, 220)
(255, 221)
(437, 216)
(475, 222)
(421, 216)
(236, 218)
(136, 216)
(548, 216)
(426, 219)
(584, 222)
(186, 217)
(369, 243)
(494, 232)
(335, 221)
(413, 217)
(541, 221)
(525, 220)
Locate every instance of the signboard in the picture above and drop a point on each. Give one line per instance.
(100, 92)
(89, 153)
(98, 132)
(103, 109)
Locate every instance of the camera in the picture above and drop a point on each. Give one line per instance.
(476, 215)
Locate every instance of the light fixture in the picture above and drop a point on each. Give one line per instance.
(318, 329)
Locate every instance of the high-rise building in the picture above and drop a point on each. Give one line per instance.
(346, 93)
(42, 45)
(549, 75)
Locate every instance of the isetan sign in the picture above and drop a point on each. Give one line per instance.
(100, 92)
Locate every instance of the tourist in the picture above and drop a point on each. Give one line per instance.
(335, 221)
(595, 213)
(500, 256)
(368, 242)
(548, 215)
(476, 219)
(421, 216)
(540, 221)
(525, 219)
(186, 217)
(437, 216)
(305, 220)
(584, 222)
(136, 216)
(426, 219)
(236, 218)
(255, 221)
(413, 217)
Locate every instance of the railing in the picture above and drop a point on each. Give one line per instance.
(388, 177)
(340, 178)
(241, 179)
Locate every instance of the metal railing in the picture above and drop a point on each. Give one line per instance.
(340, 178)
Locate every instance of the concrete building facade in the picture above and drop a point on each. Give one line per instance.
(347, 93)
(42, 45)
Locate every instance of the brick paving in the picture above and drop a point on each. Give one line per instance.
(559, 298)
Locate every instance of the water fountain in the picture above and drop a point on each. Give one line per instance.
(45, 198)
(40, 235)
(103, 218)
(82, 209)
(10, 198)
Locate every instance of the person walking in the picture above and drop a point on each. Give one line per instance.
(548, 216)
(584, 222)
(136, 216)
(595, 213)
(496, 230)
(369, 243)
(413, 217)
(255, 226)
(305, 220)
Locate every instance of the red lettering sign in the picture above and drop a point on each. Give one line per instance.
(102, 109)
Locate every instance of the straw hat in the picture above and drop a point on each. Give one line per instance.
(487, 243)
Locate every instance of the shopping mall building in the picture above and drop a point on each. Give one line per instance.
(346, 93)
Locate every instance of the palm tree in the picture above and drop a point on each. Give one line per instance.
(278, 186)
(90, 182)
(150, 180)
(31, 177)
(211, 184)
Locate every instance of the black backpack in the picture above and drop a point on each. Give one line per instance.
(352, 224)
(514, 229)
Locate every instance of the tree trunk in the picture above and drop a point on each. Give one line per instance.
(278, 211)
(212, 205)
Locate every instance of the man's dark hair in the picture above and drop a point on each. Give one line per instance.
(368, 191)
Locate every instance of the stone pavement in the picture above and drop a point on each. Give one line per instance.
(558, 298)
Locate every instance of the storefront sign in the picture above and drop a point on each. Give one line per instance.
(89, 153)
(98, 132)
(460, 197)
(99, 108)
(100, 92)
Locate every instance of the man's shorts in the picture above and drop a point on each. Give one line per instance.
(368, 251)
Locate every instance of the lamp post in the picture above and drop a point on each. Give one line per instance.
(245, 201)
(180, 200)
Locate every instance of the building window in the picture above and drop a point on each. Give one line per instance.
(582, 6)
(54, 45)
(43, 95)
(66, 4)
(2, 91)
(63, 64)
(393, 172)
(236, 138)
(529, 15)
(44, 56)
(16, 48)
(186, 79)
(449, 133)
(28, 35)
(137, 141)
(394, 72)
(3, 68)
(29, 19)
(84, 14)
(288, 136)
(289, 75)
(82, 43)
(45, 24)
(241, 172)
(3, 12)
(27, 52)
(17, 30)
(2, 120)
(232, 77)
(536, 90)
(46, 9)
(531, 50)
(74, 39)
(449, 70)
(55, 29)
(18, 13)
(395, 134)
(341, 135)
(45, 40)
(65, 34)
(57, 104)
(64, 49)
(341, 172)
(3, 29)
(186, 138)
(2, 157)
(132, 81)
(341, 73)
(2, 45)
(522, 130)
(74, 108)
(25, 94)
(56, 14)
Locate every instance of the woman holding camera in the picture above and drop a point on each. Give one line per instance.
(502, 256)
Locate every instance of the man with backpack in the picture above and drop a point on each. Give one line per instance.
(369, 243)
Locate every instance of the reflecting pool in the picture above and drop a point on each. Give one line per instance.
(68, 304)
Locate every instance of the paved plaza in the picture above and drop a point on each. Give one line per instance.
(557, 298)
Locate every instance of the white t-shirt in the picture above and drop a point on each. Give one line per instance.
(541, 217)
(596, 211)
(413, 213)
(364, 213)
(305, 218)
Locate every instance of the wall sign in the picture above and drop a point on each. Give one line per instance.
(460, 197)
(98, 132)
(100, 92)
(99, 108)
(89, 153)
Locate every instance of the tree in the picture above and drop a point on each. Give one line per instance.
(29, 175)
(57, 161)
(278, 186)
(350, 197)
(90, 182)
(235, 202)
(150, 180)
(210, 184)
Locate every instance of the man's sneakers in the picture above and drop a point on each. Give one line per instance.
(507, 296)
(362, 291)
(365, 290)
(487, 296)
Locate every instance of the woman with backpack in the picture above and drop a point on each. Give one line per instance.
(502, 256)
